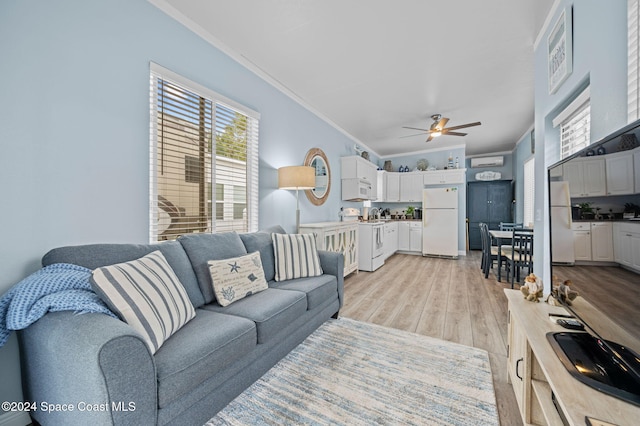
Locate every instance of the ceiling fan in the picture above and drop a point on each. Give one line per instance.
(438, 128)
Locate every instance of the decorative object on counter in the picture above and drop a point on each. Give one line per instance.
(457, 163)
(317, 159)
(450, 162)
(401, 168)
(591, 153)
(422, 164)
(365, 155)
(561, 291)
(532, 288)
(409, 212)
(406, 169)
(627, 142)
(358, 150)
(388, 166)
(488, 175)
(631, 211)
(601, 150)
(586, 211)
(598, 215)
(297, 177)
(432, 168)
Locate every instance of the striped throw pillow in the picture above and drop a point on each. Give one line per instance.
(147, 295)
(296, 256)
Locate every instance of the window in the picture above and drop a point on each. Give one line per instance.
(204, 160)
(633, 62)
(529, 191)
(575, 125)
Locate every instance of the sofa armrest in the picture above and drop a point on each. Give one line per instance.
(87, 369)
(333, 264)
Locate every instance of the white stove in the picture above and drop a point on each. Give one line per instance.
(370, 245)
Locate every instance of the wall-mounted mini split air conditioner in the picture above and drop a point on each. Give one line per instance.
(479, 162)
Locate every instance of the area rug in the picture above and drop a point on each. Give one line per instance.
(354, 373)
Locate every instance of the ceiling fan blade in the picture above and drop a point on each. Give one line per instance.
(462, 126)
(429, 139)
(415, 128)
(408, 136)
(445, 132)
(443, 122)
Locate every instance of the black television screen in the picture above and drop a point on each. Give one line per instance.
(594, 208)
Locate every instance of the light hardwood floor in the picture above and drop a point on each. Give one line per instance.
(446, 299)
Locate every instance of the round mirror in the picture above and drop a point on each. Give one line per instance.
(316, 159)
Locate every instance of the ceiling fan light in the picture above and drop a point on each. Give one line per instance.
(436, 134)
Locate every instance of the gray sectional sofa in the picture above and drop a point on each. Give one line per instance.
(102, 370)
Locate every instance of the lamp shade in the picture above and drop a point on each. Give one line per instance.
(296, 177)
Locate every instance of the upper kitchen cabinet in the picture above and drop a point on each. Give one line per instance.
(355, 167)
(586, 177)
(619, 168)
(439, 177)
(411, 186)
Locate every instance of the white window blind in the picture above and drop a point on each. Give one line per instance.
(529, 191)
(204, 160)
(633, 62)
(575, 124)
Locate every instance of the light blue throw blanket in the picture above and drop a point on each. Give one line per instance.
(57, 287)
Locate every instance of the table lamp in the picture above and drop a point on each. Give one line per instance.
(297, 177)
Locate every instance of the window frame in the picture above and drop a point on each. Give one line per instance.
(252, 161)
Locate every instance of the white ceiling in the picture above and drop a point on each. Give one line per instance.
(373, 66)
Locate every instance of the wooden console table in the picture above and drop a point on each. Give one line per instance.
(535, 371)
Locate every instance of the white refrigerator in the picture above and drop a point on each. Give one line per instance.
(440, 222)
(562, 250)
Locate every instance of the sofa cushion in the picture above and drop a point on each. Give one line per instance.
(93, 256)
(296, 256)
(236, 278)
(271, 310)
(202, 248)
(318, 289)
(207, 345)
(261, 241)
(147, 295)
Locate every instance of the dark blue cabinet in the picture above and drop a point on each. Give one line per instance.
(489, 202)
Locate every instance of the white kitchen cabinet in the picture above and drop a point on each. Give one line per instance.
(586, 177)
(410, 236)
(439, 177)
(593, 241)
(392, 181)
(340, 237)
(626, 242)
(411, 187)
(382, 186)
(636, 168)
(390, 239)
(602, 242)
(582, 240)
(415, 236)
(403, 236)
(619, 170)
(354, 166)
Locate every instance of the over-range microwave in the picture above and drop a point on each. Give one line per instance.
(356, 189)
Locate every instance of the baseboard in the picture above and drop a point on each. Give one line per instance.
(17, 418)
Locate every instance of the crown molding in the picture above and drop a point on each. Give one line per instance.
(197, 29)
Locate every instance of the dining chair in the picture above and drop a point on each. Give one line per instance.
(490, 252)
(510, 226)
(519, 255)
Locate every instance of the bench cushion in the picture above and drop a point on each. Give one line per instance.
(271, 310)
(318, 289)
(208, 344)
